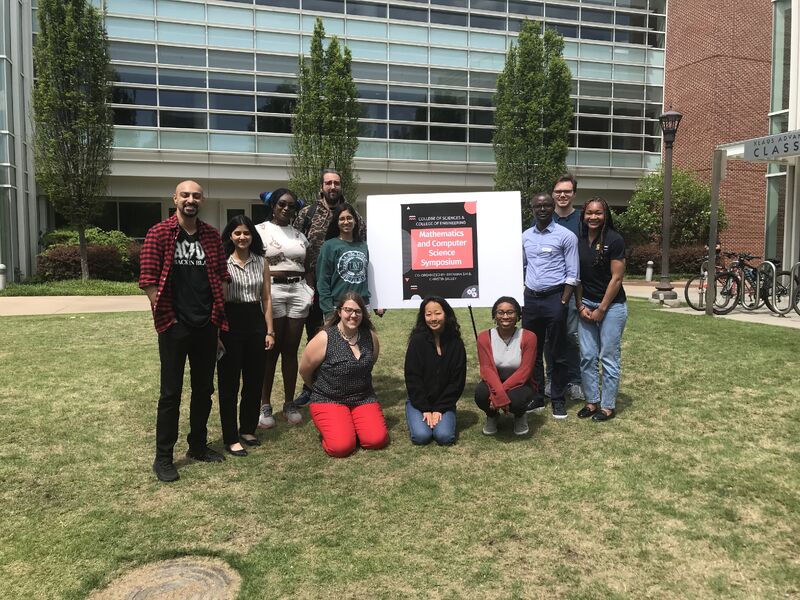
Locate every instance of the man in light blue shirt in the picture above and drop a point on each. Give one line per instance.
(550, 255)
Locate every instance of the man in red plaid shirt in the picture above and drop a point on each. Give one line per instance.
(184, 273)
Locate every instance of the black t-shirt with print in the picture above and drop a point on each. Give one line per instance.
(191, 291)
(595, 271)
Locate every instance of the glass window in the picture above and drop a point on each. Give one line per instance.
(188, 57)
(183, 120)
(448, 152)
(280, 85)
(481, 99)
(276, 104)
(130, 74)
(449, 37)
(448, 115)
(278, 42)
(132, 138)
(131, 7)
(131, 95)
(532, 9)
(232, 122)
(595, 88)
(449, 77)
(372, 111)
(592, 140)
(628, 109)
(623, 54)
(652, 144)
(371, 149)
(657, 23)
(366, 70)
(189, 34)
(626, 143)
(230, 38)
(267, 19)
(654, 94)
(480, 136)
(332, 25)
(408, 113)
(631, 19)
(499, 5)
(483, 80)
(626, 36)
(448, 18)
(371, 91)
(408, 151)
(655, 57)
(230, 81)
(135, 218)
(594, 124)
(230, 102)
(372, 130)
(182, 78)
(227, 15)
(571, 49)
(277, 64)
(568, 31)
(408, 33)
(627, 126)
(596, 33)
(448, 96)
(134, 29)
(135, 116)
(269, 124)
(596, 51)
(595, 70)
(652, 111)
(489, 41)
(226, 142)
(366, 10)
(457, 3)
(182, 99)
(481, 117)
(450, 58)
(367, 29)
(629, 73)
(481, 154)
(641, 4)
(184, 140)
(448, 134)
(561, 12)
(399, 131)
(408, 74)
(230, 60)
(408, 94)
(332, 6)
(633, 92)
(405, 53)
(658, 6)
(132, 52)
(484, 60)
(597, 16)
(596, 107)
(484, 22)
(652, 128)
(188, 11)
(656, 40)
(281, 3)
(367, 50)
(408, 14)
(619, 159)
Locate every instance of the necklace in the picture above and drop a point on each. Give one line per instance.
(351, 339)
(507, 341)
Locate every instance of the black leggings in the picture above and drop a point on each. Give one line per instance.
(520, 398)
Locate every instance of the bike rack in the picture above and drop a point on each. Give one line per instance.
(793, 287)
(771, 266)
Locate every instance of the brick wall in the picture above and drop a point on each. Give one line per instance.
(718, 62)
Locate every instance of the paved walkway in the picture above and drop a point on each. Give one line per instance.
(54, 305)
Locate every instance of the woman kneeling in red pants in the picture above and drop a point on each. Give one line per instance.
(337, 365)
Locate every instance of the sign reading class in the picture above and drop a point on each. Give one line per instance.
(773, 147)
(465, 247)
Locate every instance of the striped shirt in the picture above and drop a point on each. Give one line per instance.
(246, 281)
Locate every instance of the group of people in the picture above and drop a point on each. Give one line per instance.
(239, 301)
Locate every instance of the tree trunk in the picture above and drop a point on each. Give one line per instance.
(84, 252)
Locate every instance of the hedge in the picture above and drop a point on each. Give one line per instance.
(64, 262)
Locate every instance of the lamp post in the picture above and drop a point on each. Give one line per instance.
(669, 122)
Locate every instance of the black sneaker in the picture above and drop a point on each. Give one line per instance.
(536, 405)
(205, 455)
(303, 398)
(165, 471)
(559, 409)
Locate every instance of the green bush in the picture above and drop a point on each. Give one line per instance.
(64, 262)
(682, 260)
(94, 236)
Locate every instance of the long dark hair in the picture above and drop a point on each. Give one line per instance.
(608, 223)
(451, 326)
(270, 199)
(256, 245)
(333, 228)
(366, 322)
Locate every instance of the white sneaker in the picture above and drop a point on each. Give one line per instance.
(266, 420)
(490, 427)
(521, 424)
(292, 415)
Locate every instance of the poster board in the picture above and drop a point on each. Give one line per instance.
(465, 247)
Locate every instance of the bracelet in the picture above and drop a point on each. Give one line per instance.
(271, 333)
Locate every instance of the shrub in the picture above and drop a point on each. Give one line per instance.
(134, 250)
(685, 259)
(94, 236)
(64, 262)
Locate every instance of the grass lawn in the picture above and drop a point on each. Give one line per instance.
(73, 287)
(692, 492)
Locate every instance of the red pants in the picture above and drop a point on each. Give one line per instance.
(339, 426)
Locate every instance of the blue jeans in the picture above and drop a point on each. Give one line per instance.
(572, 354)
(600, 347)
(444, 433)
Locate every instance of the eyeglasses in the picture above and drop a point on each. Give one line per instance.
(563, 192)
(333, 182)
(505, 313)
(351, 311)
(284, 204)
(195, 195)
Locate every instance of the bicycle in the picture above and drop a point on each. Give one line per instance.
(726, 289)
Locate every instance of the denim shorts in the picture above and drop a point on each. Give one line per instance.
(291, 300)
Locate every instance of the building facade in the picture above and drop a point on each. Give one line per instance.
(205, 89)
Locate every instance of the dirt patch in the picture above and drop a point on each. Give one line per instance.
(177, 579)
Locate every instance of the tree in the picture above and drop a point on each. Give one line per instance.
(691, 210)
(534, 114)
(325, 124)
(73, 131)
